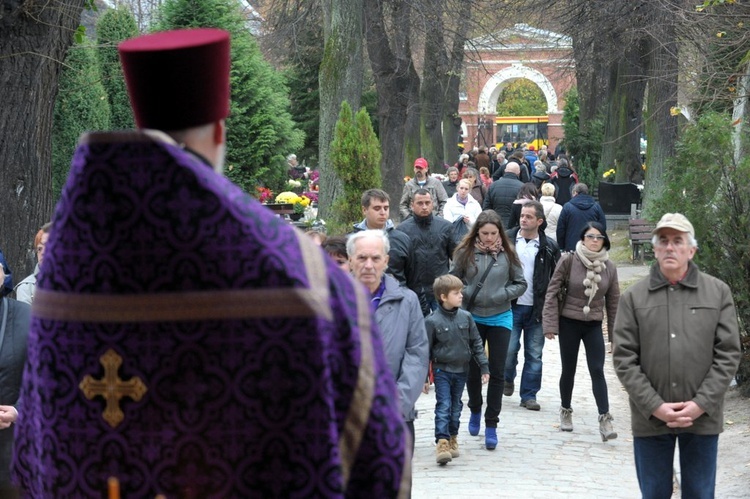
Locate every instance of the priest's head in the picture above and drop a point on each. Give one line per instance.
(178, 82)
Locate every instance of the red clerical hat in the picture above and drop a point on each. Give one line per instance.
(177, 79)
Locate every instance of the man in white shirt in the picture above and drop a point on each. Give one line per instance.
(538, 255)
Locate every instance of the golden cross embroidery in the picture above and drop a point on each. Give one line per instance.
(112, 388)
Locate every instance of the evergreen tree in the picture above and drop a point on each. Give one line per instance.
(81, 106)
(355, 157)
(114, 26)
(584, 147)
(260, 130)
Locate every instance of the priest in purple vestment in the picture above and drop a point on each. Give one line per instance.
(184, 339)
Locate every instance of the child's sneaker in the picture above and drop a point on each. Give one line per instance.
(454, 446)
(443, 452)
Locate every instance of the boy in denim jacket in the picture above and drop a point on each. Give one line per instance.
(454, 340)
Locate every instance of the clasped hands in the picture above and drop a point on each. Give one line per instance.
(678, 414)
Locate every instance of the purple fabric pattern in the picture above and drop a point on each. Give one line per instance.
(234, 408)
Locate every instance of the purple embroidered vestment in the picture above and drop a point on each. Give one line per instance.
(259, 373)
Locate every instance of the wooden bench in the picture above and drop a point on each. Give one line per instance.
(639, 232)
(280, 209)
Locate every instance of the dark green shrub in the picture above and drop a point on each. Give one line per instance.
(355, 157)
(706, 185)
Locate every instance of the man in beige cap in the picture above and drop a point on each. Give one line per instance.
(676, 349)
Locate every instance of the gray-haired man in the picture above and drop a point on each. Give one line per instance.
(676, 349)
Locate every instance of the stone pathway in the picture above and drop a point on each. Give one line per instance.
(534, 459)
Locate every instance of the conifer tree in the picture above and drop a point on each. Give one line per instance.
(355, 157)
(114, 26)
(81, 106)
(260, 130)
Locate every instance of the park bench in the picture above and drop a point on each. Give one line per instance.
(280, 209)
(639, 232)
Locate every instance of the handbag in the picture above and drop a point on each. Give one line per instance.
(562, 292)
(479, 285)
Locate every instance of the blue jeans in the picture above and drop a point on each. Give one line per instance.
(653, 465)
(449, 387)
(533, 344)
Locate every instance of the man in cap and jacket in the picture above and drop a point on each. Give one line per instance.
(676, 349)
(422, 180)
(185, 340)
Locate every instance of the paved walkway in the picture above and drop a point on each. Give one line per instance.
(534, 459)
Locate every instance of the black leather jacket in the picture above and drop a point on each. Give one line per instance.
(544, 266)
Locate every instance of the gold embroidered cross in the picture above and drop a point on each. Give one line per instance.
(112, 388)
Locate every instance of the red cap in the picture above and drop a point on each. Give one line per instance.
(531, 148)
(177, 79)
(421, 163)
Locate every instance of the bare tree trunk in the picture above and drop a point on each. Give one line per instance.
(661, 126)
(34, 37)
(452, 83)
(341, 74)
(432, 90)
(739, 115)
(395, 81)
(620, 148)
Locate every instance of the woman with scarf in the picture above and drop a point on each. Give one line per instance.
(575, 316)
(486, 261)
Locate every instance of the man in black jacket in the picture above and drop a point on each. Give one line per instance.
(538, 255)
(433, 244)
(503, 192)
(376, 208)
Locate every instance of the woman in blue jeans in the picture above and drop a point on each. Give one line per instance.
(486, 261)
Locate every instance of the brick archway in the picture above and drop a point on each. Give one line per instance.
(543, 57)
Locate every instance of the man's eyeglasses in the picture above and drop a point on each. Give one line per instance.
(597, 237)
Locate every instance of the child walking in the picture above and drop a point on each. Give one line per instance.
(454, 340)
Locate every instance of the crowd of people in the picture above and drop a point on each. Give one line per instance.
(532, 263)
(216, 351)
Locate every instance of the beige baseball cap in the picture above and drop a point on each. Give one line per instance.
(676, 221)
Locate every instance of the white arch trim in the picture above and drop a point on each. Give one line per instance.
(491, 91)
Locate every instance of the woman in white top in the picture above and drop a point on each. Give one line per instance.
(551, 210)
(461, 204)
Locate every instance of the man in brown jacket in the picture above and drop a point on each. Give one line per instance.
(676, 349)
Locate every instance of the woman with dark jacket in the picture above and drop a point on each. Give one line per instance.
(478, 190)
(590, 278)
(527, 193)
(486, 261)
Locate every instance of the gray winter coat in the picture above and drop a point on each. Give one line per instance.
(433, 186)
(503, 284)
(407, 350)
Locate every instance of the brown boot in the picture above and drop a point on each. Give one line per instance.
(454, 446)
(443, 452)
